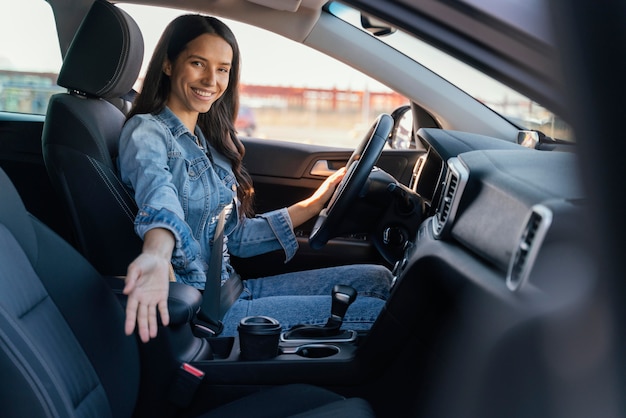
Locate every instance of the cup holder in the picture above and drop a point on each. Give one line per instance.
(317, 350)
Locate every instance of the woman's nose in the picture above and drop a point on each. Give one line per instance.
(208, 78)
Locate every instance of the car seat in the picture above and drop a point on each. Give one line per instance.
(63, 351)
(81, 133)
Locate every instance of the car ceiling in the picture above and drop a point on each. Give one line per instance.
(267, 14)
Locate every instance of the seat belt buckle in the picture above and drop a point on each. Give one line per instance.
(186, 383)
(206, 327)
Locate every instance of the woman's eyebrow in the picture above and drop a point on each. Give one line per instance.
(200, 57)
(194, 56)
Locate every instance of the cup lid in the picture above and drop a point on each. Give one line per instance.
(259, 325)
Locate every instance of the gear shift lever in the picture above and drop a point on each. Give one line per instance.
(342, 298)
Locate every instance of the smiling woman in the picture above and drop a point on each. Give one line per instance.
(181, 158)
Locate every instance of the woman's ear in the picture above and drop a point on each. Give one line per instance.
(167, 68)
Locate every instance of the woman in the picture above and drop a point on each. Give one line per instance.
(180, 154)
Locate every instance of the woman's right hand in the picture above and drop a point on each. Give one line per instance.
(147, 285)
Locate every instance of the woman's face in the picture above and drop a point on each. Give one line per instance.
(198, 76)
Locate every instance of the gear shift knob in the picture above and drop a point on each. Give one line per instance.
(343, 296)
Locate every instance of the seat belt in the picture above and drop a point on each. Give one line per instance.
(207, 322)
(217, 298)
(208, 318)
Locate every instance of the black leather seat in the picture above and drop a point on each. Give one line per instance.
(81, 133)
(63, 352)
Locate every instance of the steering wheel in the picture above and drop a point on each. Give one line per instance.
(358, 167)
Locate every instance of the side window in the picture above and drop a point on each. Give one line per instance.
(298, 94)
(289, 91)
(30, 57)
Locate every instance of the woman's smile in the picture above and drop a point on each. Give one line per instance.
(203, 93)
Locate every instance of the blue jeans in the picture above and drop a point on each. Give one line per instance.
(304, 297)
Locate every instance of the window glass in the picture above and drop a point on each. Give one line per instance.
(518, 109)
(30, 57)
(284, 94)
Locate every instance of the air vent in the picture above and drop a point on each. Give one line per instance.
(524, 256)
(455, 181)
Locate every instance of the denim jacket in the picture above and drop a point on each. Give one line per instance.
(179, 186)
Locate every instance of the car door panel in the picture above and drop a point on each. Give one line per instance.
(285, 172)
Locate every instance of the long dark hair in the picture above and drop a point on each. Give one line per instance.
(218, 124)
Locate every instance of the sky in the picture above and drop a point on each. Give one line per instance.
(38, 48)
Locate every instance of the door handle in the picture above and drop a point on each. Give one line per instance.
(322, 168)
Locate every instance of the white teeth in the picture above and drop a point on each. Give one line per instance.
(202, 93)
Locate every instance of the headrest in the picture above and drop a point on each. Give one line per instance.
(105, 56)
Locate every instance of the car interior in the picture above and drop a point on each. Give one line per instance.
(487, 235)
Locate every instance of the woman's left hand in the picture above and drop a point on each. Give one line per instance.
(306, 209)
(326, 189)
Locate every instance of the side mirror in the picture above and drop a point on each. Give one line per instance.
(537, 139)
(402, 133)
(528, 139)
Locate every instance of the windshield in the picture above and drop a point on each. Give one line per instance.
(515, 107)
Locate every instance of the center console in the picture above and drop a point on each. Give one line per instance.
(329, 356)
(302, 353)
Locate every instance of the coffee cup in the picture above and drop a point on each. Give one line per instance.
(258, 337)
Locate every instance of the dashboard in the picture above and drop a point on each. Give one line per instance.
(430, 168)
(497, 201)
